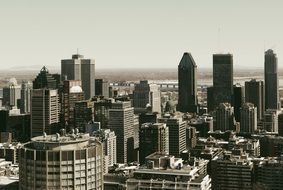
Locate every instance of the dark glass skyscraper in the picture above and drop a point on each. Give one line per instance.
(238, 100)
(254, 93)
(222, 78)
(187, 84)
(271, 80)
(44, 80)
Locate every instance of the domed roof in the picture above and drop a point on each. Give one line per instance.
(76, 89)
(13, 81)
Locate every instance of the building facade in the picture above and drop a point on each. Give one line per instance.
(61, 162)
(187, 84)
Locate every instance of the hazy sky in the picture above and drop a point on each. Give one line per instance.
(138, 34)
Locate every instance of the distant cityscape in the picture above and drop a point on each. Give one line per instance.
(74, 130)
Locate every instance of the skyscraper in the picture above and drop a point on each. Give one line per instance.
(254, 93)
(187, 83)
(44, 104)
(121, 121)
(82, 69)
(72, 92)
(270, 120)
(222, 78)
(11, 94)
(83, 114)
(101, 88)
(238, 100)
(177, 135)
(146, 94)
(271, 80)
(25, 97)
(153, 138)
(44, 80)
(44, 111)
(248, 122)
(224, 117)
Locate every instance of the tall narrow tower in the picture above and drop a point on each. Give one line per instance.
(82, 69)
(187, 84)
(271, 80)
(222, 78)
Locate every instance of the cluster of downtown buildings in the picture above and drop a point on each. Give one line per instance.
(73, 131)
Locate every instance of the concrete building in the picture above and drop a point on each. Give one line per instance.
(101, 88)
(84, 113)
(271, 80)
(224, 117)
(177, 135)
(109, 141)
(222, 78)
(270, 121)
(191, 138)
(11, 94)
(230, 172)
(271, 146)
(248, 122)
(269, 173)
(167, 172)
(254, 93)
(25, 97)
(72, 93)
(280, 124)
(44, 111)
(82, 69)
(121, 121)
(153, 138)
(101, 110)
(72, 161)
(238, 100)
(187, 84)
(146, 95)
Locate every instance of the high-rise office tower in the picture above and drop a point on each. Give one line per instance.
(224, 117)
(25, 97)
(177, 135)
(44, 80)
(101, 110)
(210, 99)
(83, 114)
(191, 138)
(72, 93)
(108, 139)
(222, 78)
(44, 111)
(254, 93)
(121, 121)
(82, 69)
(101, 88)
(11, 94)
(280, 124)
(146, 94)
(271, 80)
(270, 121)
(153, 138)
(248, 122)
(238, 100)
(73, 161)
(187, 83)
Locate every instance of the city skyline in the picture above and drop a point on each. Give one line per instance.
(140, 34)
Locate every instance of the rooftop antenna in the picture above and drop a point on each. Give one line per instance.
(77, 51)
